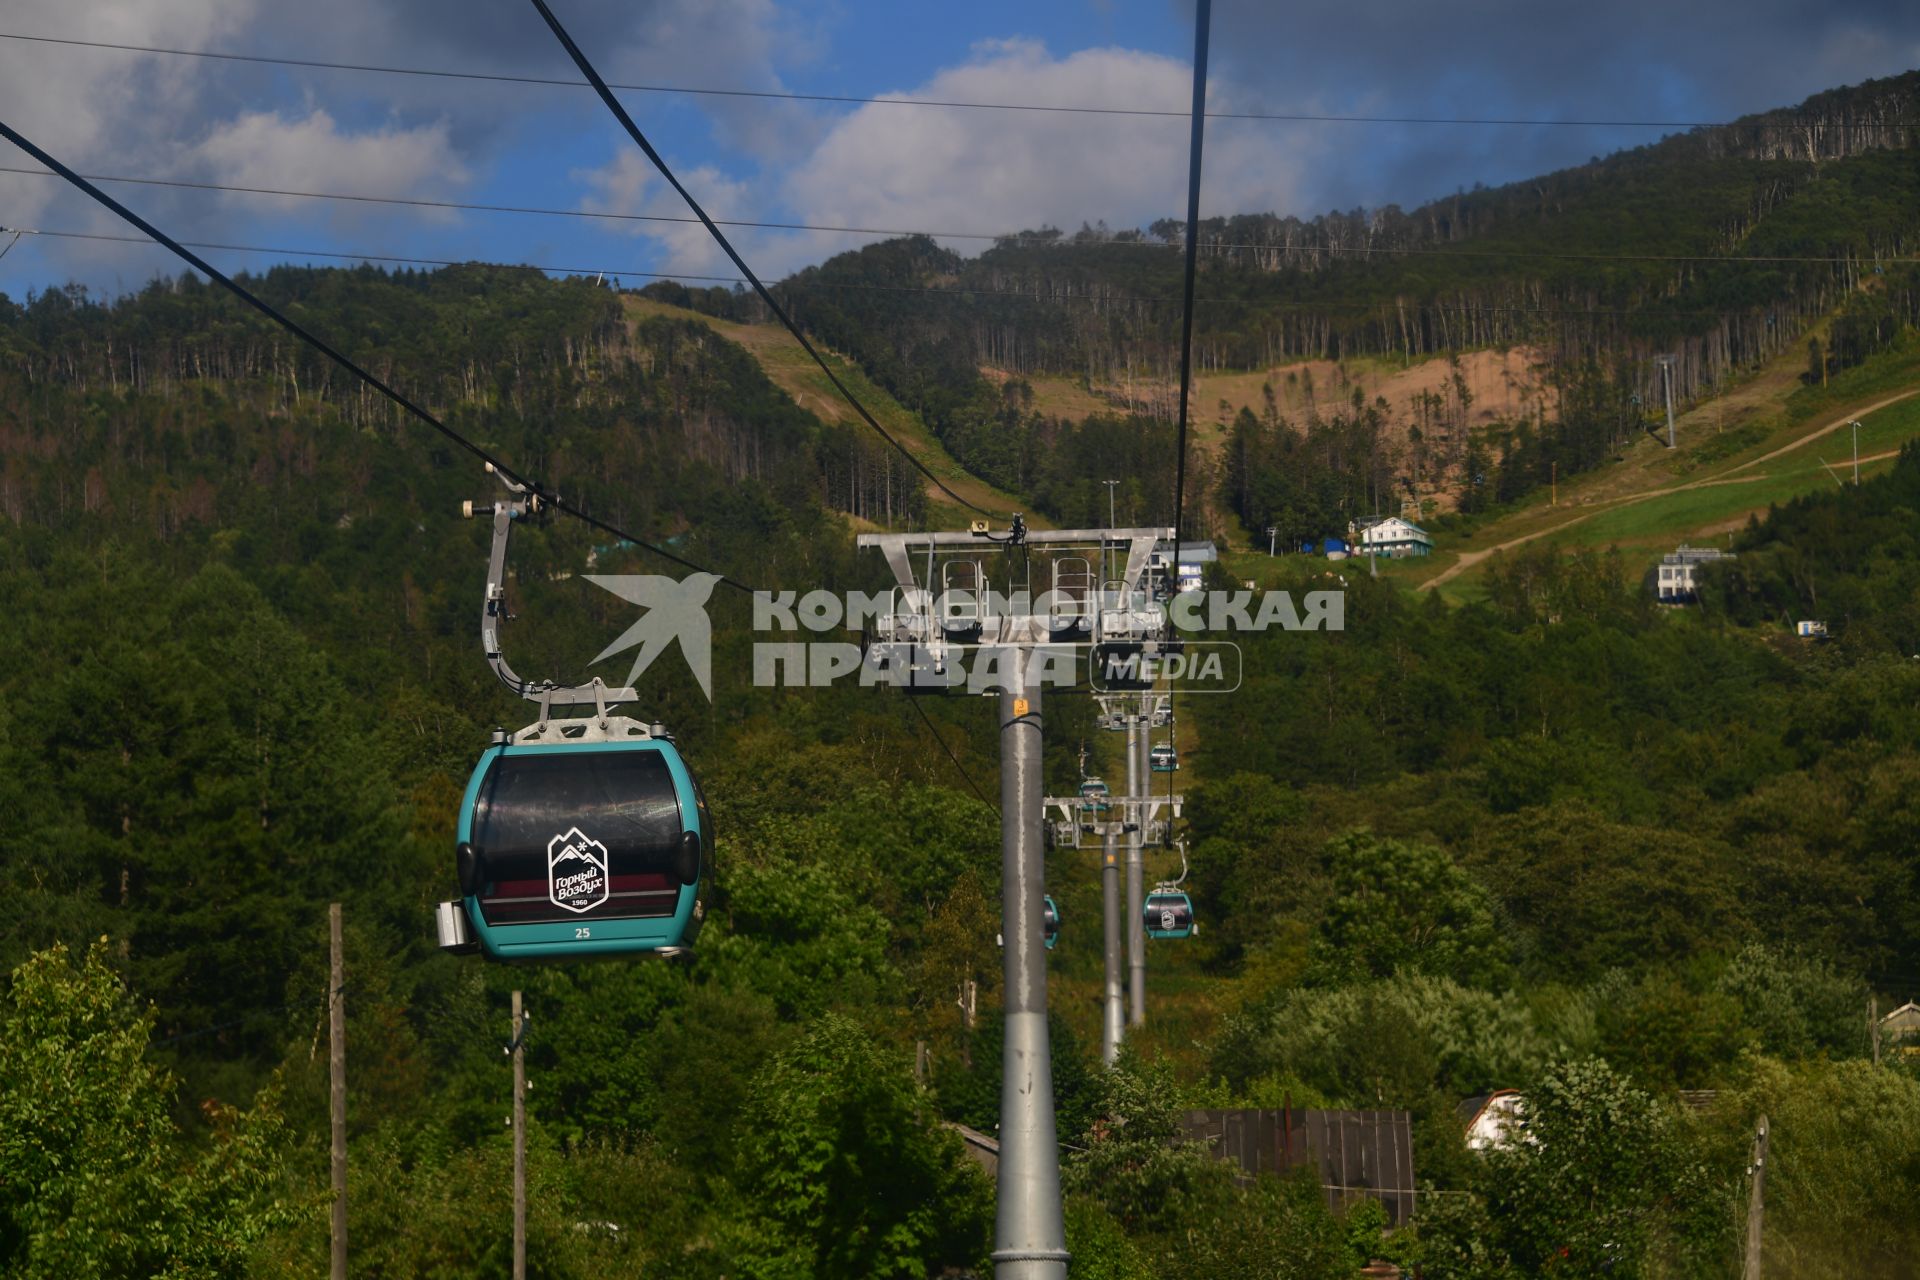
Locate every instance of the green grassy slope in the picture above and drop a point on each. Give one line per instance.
(1786, 439)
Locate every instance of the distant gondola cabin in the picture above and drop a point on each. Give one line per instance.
(1168, 914)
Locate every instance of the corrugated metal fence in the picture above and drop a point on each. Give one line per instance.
(1356, 1153)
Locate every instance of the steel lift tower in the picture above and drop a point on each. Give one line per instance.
(950, 627)
(1141, 819)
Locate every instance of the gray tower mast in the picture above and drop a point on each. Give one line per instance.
(941, 618)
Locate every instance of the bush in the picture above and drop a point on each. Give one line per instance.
(1136, 1164)
(1604, 1182)
(1844, 1170)
(94, 1180)
(847, 1170)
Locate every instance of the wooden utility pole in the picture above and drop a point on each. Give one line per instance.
(519, 1052)
(969, 1006)
(1756, 1202)
(337, 1086)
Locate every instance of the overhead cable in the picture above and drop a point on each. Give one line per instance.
(305, 335)
(928, 722)
(802, 283)
(633, 131)
(397, 398)
(1202, 21)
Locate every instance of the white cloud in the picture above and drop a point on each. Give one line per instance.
(942, 169)
(628, 184)
(165, 116)
(735, 43)
(161, 116)
(990, 171)
(99, 108)
(312, 153)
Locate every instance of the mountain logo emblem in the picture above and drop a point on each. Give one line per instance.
(577, 877)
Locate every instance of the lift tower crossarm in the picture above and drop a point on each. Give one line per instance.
(898, 547)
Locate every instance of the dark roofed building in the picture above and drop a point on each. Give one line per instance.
(1359, 1155)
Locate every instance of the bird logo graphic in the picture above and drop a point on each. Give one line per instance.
(676, 609)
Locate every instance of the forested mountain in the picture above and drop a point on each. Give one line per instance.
(1724, 247)
(1561, 840)
(1582, 261)
(554, 374)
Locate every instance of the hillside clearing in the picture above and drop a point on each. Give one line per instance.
(789, 367)
(1655, 519)
(1501, 384)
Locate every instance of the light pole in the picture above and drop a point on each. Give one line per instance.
(1666, 378)
(1272, 531)
(1014, 652)
(1106, 557)
(1855, 424)
(1113, 1008)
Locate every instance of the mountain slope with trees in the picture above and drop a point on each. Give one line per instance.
(1557, 840)
(1724, 246)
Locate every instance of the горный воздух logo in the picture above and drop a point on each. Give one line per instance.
(577, 877)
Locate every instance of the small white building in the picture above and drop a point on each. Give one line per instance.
(1900, 1030)
(1188, 565)
(1390, 536)
(1494, 1120)
(1676, 582)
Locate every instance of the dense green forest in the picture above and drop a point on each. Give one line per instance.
(1561, 841)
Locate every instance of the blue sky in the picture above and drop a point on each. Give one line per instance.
(937, 169)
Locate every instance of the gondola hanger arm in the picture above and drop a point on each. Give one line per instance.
(526, 503)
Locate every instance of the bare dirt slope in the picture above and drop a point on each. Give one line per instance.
(789, 367)
(1501, 384)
